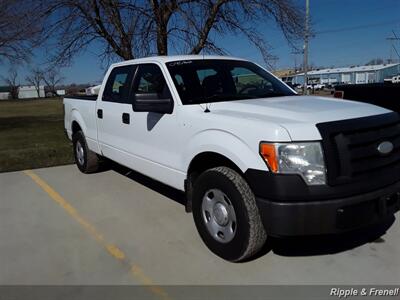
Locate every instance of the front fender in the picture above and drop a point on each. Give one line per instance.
(226, 144)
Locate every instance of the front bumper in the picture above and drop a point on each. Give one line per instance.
(331, 216)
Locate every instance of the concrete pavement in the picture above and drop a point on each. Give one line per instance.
(58, 226)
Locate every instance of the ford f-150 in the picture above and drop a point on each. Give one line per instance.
(253, 157)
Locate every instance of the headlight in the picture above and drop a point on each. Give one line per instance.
(305, 159)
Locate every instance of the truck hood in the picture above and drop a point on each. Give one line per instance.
(297, 114)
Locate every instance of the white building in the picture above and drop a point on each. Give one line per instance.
(348, 75)
(24, 92)
(30, 91)
(4, 92)
(4, 96)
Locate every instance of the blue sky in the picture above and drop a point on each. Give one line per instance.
(348, 32)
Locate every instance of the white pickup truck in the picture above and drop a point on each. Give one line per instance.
(254, 158)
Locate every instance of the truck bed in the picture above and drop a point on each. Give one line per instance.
(83, 109)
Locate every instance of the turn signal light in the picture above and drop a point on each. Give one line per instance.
(268, 152)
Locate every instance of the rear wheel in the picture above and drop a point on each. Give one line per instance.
(87, 161)
(226, 214)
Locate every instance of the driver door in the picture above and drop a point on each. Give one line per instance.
(154, 142)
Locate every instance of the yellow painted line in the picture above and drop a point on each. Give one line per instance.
(135, 270)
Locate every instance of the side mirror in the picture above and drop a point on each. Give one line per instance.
(151, 103)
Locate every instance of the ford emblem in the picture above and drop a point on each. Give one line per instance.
(385, 147)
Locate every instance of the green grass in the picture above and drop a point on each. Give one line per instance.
(32, 135)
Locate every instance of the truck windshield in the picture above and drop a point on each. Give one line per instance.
(213, 80)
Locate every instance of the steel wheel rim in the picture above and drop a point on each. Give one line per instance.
(219, 215)
(80, 154)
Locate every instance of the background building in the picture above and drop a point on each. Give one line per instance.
(24, 92)
(348, 75)
(4, 92)
(30, 91)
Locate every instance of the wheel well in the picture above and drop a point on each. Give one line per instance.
(201, 163)
(75, 127)
(208, 160)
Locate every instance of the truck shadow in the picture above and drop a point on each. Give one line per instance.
(298, 246)
(326, 244)
(165, 190)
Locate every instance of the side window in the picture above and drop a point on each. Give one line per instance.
(118, 84)
(150, 83)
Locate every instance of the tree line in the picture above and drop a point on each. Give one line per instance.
(37, 77)
(128, 29)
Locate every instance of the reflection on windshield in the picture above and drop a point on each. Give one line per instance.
(213, 80)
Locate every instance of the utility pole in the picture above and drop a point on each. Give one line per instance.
(306, 37)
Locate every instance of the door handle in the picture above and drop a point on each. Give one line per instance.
(100, 113)
(125, 118)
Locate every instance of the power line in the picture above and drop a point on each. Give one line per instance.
(395, 35)
(333, 30)
(395, 50)
(392, 39)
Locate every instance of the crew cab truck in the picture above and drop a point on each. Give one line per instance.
(253, 157)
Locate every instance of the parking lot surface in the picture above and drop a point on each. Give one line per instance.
(58, 226)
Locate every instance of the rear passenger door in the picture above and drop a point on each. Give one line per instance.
(114, 112)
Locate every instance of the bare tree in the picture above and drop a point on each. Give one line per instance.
(35, 78)
(128, 29)
(77, 23)
(52, 78)
(19, 29)
(11, 81)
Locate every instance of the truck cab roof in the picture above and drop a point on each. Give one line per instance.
(171, 58)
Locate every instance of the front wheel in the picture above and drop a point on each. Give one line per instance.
(226, 214)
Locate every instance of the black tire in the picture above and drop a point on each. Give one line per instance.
(89, 162)
(249, 236)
